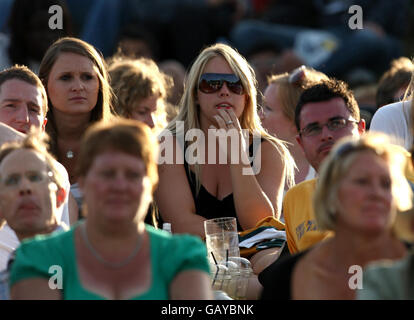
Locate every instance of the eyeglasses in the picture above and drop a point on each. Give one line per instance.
(336, 124)
(13, 180)
(213, 82)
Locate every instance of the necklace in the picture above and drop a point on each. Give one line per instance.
(102, 260)
(69, 154)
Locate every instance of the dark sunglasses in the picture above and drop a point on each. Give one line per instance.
(213, 82)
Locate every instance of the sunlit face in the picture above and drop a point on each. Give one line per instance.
(116, 188)
(273, 117)
(223, 98)
(73, 84)
(316, 148)
(365, 201)
(145, 110)
(21, 105)
(28, 195)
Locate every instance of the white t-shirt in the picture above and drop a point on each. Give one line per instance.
(394, 120)
(8, 239)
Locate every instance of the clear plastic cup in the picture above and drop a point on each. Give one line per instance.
(222, 239)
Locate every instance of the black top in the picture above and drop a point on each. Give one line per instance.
(276, 279)
(207, 205)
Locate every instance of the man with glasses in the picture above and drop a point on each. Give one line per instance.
(31, 192)
(325, 113)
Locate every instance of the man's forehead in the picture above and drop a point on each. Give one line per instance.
(22, 160)
(9, 86)
(323, 111)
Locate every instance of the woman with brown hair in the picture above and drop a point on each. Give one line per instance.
(76, 81)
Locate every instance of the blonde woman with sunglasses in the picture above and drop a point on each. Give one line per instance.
(219, 180)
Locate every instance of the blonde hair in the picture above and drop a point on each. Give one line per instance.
(189, 109)
(337, 164)
(133, 80)
(289, 89)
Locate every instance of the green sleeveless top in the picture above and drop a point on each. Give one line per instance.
(170, 254)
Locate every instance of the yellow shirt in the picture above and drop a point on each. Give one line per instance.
(300, 224)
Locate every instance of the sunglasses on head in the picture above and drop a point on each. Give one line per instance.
(296, 76)
(213, 82)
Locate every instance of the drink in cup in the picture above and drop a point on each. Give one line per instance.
(222, 239)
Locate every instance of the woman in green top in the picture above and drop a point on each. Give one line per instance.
(113, 254)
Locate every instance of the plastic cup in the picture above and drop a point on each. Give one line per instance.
(222, 239)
